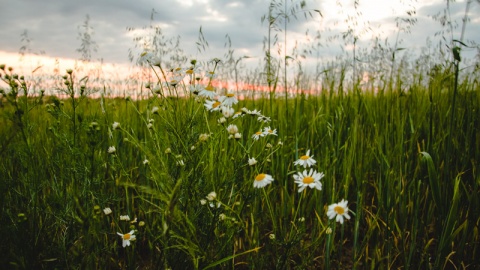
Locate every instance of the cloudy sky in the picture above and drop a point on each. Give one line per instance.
(52, 26)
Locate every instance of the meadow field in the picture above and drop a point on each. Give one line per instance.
(325, 172)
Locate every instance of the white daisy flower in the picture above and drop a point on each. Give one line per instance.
(257, 135)
(227, 111)
(203, 137)
(125, 218)
(252, 161)
(208, 92)
(254, 112)
(178, 71)
(157, 89)
(115, 125)
(150, 57)
(107, 211)
(155, 110)
(175, 80)
(212, 205)
(228, 100)
(237, 135)
(212, 196)
(211, 75)
(262, 180)
(111, 150)
(264, 119)
(306, 160)
(156, 61)
(212, 105)
(126, 238)
(232, 129)
(196, 89)
(222, 120)
(146, 57)
(238, 114)
(310, 179)
(192, 70)
(338, 210)
(269, 131)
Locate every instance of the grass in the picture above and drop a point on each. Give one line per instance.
(82, 176)
(409, 173)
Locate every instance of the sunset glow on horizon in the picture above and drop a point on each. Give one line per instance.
(131, 29)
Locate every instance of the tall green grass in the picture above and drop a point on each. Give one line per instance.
(405, 159)
(402, 148)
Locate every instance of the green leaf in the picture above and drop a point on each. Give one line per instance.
(228, 258)
(433, 180)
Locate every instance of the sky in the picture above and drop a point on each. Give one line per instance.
(53, 26)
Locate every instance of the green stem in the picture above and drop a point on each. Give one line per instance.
(270, 210)
(328, 249)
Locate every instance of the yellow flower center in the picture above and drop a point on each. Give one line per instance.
(308, 180)
(216, 104)
(270, 131)
(209, 88)
(230, 95)
(190, 71)
(340, 210)
(126, 236)
(258, 133)
(304, 157)
(260, 177)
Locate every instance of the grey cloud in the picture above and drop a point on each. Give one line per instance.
(53, 25)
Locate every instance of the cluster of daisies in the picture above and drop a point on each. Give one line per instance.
(206, 93)
(308, 178)
(303, 179)
(224, 104)
(201, 84)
